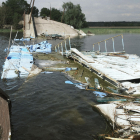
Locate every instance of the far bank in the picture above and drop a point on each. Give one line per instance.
(110, 30)
(95, 30)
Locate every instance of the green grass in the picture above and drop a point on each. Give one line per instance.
(111, 30)
(8, 30)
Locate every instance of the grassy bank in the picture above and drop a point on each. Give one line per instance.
(111, 30)
(8, 30)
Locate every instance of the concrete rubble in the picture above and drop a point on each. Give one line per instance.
(121, 70)
(119, 73)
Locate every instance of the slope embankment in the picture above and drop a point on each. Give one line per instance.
(39, 26)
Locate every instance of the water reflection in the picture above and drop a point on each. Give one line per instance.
(44, 107)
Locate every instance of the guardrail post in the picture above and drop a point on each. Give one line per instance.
(93, 48)
(58, 48)
(122, 43)
(55, 49)
(99, 47)
(62, 48)
(69, 43)
(65, 46)
(105, 46)
(113, 44)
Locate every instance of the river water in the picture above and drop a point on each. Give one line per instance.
(45, 108)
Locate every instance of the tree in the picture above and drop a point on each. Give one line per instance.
(14, 11)
(35, 12)
(2, 16)
(56, 14)
(73, 15)
(45, 12)
(16, 20)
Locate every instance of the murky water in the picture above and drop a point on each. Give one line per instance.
(45, 108)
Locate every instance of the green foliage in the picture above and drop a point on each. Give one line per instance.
(56, 14)
(73, 15)
(2, 16)
(18, 6)
(35, 12)
(11, 12)
(16, 18)
(110, 30)
(8, 30)
(45, 12)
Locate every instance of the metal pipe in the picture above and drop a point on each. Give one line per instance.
(107, 39)
(105, 46)
(122, 43)
(113, 44)
(58, 48)
(9, 42)
(31, 11)
(59, 69)
(99, 46)
(65, 46)
(93, 48)
(62, 48)
(69, 43)
(55, 49)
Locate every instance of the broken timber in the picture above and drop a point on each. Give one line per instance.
(118, 68)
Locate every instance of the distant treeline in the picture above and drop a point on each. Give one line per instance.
(117, 23)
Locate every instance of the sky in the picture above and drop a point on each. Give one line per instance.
(99, 10)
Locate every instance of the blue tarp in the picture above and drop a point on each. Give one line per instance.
(23, 39)
(99, 94)
(18, 58)
(43, 47)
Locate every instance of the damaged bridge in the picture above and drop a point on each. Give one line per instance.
(118, 68)
(35, 26)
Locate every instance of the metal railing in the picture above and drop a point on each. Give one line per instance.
(112, 42)
(59, 47)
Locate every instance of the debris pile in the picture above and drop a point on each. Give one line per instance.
(123, 73)
(120, 70)
(124, 117)
(18, 63)
(42, 47)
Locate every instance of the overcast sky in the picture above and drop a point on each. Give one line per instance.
(100, 10)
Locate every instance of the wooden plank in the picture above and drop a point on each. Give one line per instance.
(87, 59)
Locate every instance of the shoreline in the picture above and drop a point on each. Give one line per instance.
(110, 30)
(116, 27)
(8, 30)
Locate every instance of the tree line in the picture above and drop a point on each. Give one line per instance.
(11, 12)
(113, 23)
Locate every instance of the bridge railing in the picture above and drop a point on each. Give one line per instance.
(105, 43)
(63, 49)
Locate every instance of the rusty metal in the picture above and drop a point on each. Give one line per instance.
(31, 11)
(62, 15)
(108, 39)
(112, 41)
(64, 41)
(24, 20)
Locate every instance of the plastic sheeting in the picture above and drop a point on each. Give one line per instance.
(42, 47)
(23, 39)
(18, 58)
(99, 94)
